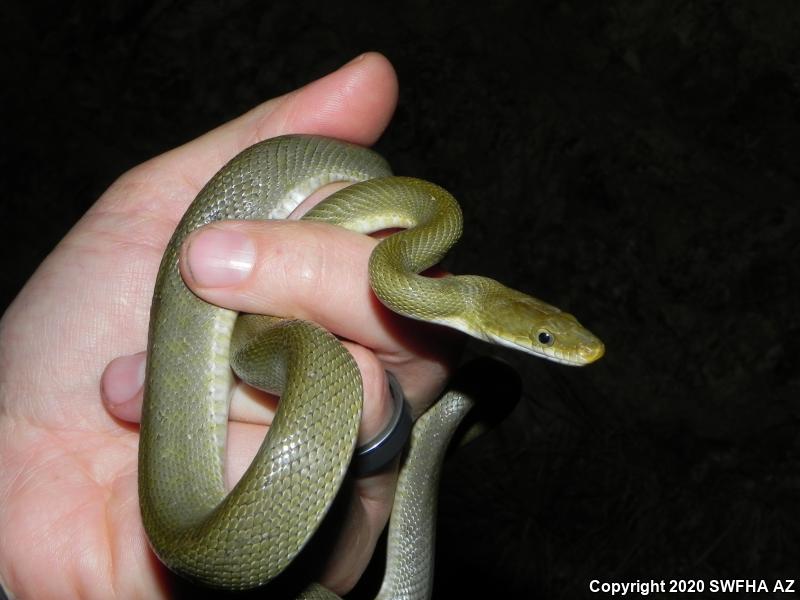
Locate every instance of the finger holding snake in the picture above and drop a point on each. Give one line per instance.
(315, 272)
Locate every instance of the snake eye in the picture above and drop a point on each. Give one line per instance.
(545, 338)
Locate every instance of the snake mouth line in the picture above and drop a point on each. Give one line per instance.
(552, 356)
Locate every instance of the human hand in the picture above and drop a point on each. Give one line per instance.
(68, 499)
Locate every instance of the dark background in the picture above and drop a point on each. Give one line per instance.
(633, 162)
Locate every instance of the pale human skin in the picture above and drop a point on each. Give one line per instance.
(71, 350)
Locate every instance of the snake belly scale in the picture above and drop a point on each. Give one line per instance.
(244, 538)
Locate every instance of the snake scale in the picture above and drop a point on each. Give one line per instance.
(246, 537)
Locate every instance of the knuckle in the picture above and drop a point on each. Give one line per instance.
(293, 264)
(371, 368)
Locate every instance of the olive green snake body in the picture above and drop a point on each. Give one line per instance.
(246, 537)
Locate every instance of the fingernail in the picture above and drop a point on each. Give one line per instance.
(219, 258)
(124, 377)
(358, 58)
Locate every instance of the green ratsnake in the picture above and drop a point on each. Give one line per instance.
(244, 538)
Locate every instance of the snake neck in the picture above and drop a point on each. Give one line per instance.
(444, 300)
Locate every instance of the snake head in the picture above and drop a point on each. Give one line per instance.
(511, 318)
